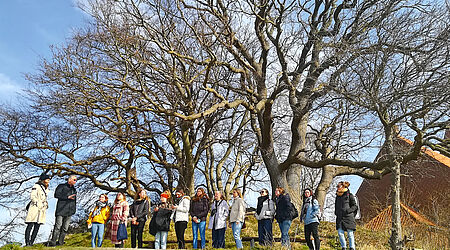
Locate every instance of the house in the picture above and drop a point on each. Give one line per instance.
(425, 186)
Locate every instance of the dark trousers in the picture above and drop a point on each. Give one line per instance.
(314, 229)
(180, 227)
(218, 238)
(60, 229)
(29, 239)
(136, 231)
(265, 235)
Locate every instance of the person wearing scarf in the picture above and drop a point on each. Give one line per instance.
(218, 219)
(97, 220)
(345, 208)
(309, 216)
(138, 213)
(265, 211)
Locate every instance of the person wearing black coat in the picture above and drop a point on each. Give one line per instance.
(65, 208)
(138, 213)
(345, 210)
(160, 222)
(283, 214)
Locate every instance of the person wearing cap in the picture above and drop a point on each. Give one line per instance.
(65, 208)
(37, 209)
(160, 222)
(265, 210)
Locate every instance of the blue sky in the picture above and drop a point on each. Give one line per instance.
(28, 28)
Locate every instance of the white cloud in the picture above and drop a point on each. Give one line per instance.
(8, 88)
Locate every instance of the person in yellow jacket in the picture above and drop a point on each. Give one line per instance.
(97, 220)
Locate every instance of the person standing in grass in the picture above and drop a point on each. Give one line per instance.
(199, 211)
(237, 216)
(37, 210)
(65, 208)
(345, 210)
(265, 211)
(283, 214)
(119, 215)
(310, 216)
(181, 215)
(138, 213)
(97, 220)
(160, 223)
(218, 220)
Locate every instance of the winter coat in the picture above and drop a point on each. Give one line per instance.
(310, 211)
(345, 209)
(140, 210)
(101, 218)
(39, 205)
(161, 219)
(283, 207)
(237, 212)
(182, 211)
(219, 214)
(199, 208)
(267, 211)
(65, 206)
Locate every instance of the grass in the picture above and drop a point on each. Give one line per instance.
(365, 239)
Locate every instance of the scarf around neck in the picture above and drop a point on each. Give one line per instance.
(341, 191)
(261, 200)
(98, 207)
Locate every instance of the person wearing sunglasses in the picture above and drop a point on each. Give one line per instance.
(265, 211)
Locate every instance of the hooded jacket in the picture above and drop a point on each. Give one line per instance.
(345, 209)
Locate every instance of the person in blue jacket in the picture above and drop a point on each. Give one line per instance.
(310, 217)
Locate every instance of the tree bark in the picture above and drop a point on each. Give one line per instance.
(395, 240)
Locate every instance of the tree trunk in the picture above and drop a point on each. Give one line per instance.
(328, 174)
(395, 240)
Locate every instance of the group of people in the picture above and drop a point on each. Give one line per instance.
(105, 219)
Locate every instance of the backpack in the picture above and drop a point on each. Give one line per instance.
(357, 213)
(358, 210)
(294, 211)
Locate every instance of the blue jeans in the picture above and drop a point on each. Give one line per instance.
(202, 227)
(351, 238)
(161, 239)
(284, 228)
(97, 230)
(236, 228)
(265, 235)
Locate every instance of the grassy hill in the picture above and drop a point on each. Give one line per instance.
(365, 239)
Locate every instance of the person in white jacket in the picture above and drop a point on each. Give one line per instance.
(218, 219)
(181, 215)
(37, 210)
(265, 211)
(237, 216)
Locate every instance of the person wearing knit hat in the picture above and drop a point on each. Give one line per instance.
(160, 222)
(37, 208)
(345, 210)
